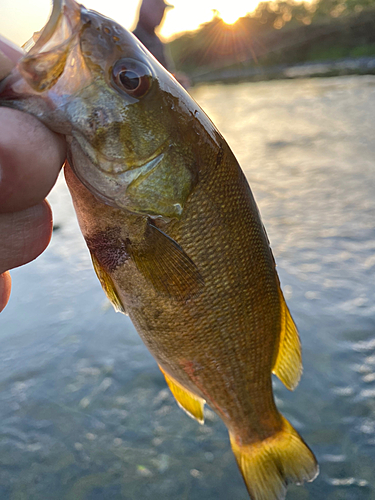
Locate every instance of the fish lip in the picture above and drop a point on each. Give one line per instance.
(117, 166)
(69, 10)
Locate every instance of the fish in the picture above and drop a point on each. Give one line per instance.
(174, 233)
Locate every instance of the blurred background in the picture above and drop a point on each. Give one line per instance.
(85, 413)
(228, 40)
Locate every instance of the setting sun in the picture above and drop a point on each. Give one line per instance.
(229, 13)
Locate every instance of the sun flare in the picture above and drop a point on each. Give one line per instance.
(230, 13)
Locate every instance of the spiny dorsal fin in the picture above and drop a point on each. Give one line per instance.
(189, 402)
(166, 265)
(288, 365)
(107, 285)
(268, 466)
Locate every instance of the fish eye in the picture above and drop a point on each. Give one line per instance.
(132, 77)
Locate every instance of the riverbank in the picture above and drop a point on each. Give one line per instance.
(339, 67)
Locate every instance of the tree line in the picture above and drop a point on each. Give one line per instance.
(281, 31)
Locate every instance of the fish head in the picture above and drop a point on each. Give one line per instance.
(132, 130)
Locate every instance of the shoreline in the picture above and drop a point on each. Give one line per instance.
(331, 68)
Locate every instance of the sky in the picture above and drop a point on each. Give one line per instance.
(19, 19)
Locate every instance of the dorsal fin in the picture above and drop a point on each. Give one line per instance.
(288, 365)
(189, 402)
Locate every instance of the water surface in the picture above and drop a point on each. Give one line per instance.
(85, 413)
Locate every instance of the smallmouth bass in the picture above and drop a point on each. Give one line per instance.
(174, 233)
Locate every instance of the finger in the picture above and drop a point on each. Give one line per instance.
(24, 235)
(30, 159)
(10, 50)
(5, 285)
(9, 55)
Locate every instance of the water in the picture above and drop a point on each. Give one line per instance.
(85, 413)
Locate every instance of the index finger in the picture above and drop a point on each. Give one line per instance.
(30, 154)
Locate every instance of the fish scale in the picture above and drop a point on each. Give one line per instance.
(239, 324)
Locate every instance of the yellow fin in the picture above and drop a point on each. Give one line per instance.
(189, 402)
(108, 285)
(268, 466)
(288, 364)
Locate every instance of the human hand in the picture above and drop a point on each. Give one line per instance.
(30, 159)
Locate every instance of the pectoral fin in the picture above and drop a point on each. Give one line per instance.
(288, 365)
(107, 285)
(163, 262)
(189, 402)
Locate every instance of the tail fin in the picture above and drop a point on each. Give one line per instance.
(268, 466)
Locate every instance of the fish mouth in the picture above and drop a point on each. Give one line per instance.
(49, 50)
(61, 25)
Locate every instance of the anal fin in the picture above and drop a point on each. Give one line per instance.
(288, 364)
(189, 402)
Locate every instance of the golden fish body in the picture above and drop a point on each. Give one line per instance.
(174, 233)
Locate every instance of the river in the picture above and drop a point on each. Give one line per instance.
(85, 413)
